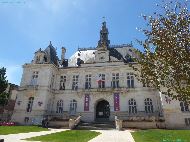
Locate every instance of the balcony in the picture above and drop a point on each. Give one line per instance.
(107, 89)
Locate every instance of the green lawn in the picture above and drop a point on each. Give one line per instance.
(159, 135)
(67, 136)
(5, 130)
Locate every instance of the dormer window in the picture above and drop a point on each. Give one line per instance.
(45, 59)
(37, 59)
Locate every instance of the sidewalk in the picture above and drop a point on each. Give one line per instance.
(113, 136)
(20, 136)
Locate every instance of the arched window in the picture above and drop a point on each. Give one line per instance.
(132, 106)
(184, 106)
(73, 107)
(59, 106)
(148, 105)
(30, 104)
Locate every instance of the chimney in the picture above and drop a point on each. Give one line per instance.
(63, 53)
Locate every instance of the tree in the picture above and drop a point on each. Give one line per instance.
(3, 85)
(165, 62)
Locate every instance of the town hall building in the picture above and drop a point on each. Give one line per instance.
(96, 83)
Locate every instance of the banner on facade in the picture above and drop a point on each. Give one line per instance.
(86, 102)
(116, 102)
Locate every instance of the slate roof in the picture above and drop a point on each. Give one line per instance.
(52, 54)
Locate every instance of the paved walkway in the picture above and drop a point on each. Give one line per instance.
(113, 136)
(105, 136)
(20, 136)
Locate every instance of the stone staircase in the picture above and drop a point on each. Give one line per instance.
(96, 126)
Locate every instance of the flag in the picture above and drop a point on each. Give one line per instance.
(116, 102)
(86, 102)
(99, 78)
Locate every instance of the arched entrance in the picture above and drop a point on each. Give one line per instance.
(102, 111)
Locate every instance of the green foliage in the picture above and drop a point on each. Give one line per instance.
(4, 98)
(161, 135)
(165, 62)
(3, 85)
(3, 81)
(67, 136)
(5, 130)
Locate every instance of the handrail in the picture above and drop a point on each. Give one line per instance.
(74, 122)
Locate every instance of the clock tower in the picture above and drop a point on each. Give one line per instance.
(102, 53)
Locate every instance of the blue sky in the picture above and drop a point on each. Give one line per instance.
(27, 25)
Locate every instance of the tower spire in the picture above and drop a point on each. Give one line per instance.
(103, 43)
(104, 18)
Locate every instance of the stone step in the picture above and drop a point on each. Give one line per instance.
(96, 126)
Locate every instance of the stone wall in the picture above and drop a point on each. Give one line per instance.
(59, 124)
(143, 125)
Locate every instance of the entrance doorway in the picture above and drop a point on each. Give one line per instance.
(102, 111)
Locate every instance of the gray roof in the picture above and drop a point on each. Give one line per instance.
(52, 54)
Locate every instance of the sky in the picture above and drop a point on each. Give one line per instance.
(27, 25)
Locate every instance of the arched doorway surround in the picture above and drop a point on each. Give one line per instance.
(102, 110)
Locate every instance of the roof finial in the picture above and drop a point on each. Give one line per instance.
(50, 42)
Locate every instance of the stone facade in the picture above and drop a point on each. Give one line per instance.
(99, 88)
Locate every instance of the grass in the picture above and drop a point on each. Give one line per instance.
(67, 136)
(159, 135)
(5, 130)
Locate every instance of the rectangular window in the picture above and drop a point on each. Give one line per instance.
(101, 81)
(34, 78)
(88, 81)
(62, 82)
(26, 119)
(130, 80)
(115, 80)
(75, 82)
(187, 121)
(30, 104)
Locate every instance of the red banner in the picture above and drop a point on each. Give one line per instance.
(86, 102)
(116, 102)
